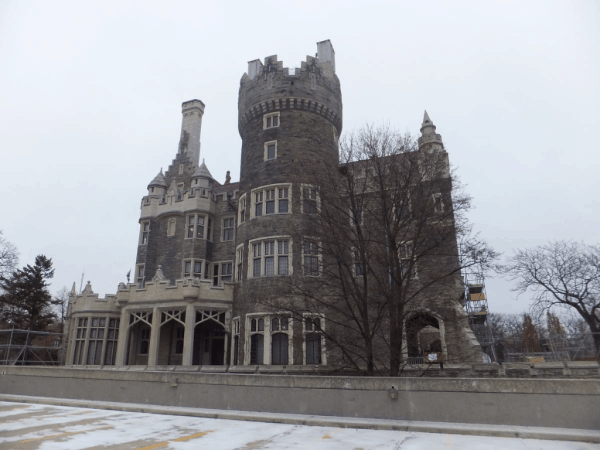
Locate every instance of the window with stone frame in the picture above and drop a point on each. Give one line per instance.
(96, 340)
(236, 341)
(239, 259)
(228, 225)
(192, 268)
(310, 199)
(438, 205)
(270, 257)
(140, 269)
(112, 338)
(145, 233)
(196, 226)
(271, 120)
(312, 330)
(270, 150)
(359, 265)
(171, 225)
(273, 199)
(357, 211)
(311, 258)
(257, 340)
(281, 339)
(402, 206)
(406, 256)
(80, 338)
(242, 210)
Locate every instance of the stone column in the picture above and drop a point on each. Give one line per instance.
(122, 344)
(188, 337)
(154, 335)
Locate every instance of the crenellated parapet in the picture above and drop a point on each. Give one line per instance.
(161, 291)
(90, 302)
(313, 87)
(175, 202)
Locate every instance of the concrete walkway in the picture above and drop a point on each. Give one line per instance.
(408, 428)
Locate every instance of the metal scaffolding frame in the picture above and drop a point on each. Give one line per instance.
(25, 347)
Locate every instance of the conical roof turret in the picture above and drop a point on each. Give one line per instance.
(202, 172)
(158, 181)
(429, 140)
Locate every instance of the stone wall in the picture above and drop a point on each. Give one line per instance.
(502, 401)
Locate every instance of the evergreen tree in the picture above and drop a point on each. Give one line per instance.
(26, 302)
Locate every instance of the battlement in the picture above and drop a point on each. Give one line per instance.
(324, 61)
(313, 87)
(161, 290)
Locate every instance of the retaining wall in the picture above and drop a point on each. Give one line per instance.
(502, 401)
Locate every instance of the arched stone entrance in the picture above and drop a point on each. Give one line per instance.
(424, 335)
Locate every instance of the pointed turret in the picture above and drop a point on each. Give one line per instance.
(158, 185)
(430, 141)
(192, 112)
(202, 176)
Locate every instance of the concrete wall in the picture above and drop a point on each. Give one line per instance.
(526, 402)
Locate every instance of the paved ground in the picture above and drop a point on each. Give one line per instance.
(38, 426)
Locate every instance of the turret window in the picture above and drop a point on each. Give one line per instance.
(242, 210)
(270, 150)
(270, 120)
(271, 200)
(270, 257)
(192, 268)
(145, 233)
(310, 199)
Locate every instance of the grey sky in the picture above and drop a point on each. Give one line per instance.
(91, 93)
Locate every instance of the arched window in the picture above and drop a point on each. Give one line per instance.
(275, 324)
(279, 349)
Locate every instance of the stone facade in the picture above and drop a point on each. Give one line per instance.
(204, 247)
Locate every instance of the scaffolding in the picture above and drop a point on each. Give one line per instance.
(29, 348)
(559, 347)
(475, 302)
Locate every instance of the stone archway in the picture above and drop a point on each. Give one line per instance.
(424, 334)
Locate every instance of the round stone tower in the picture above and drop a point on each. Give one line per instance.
(289, 121)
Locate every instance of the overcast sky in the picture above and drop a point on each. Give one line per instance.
(91, 93)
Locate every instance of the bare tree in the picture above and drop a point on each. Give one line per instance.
(561, 274)
(62, 301)
(9, 257)
(379, 244)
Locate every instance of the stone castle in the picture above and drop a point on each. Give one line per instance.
(204, 245)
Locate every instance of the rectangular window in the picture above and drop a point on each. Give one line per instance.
(145, 232)
(80, 336)
(270, 120)
(438, 205)
(195, 227)
(187, 268)
(209, 230)
(140, 276)
(242, 210)
(197, 268)
(309, 200)
(112, 336)
(408, 266)
(310, 252)
(283, 199)
(228, 229)
(271, 258)
(258, 197)
(270, 201)
(226, 272)
(94, 354)
(357, 213)
(270, 150)
(359, 266)
(239, 262)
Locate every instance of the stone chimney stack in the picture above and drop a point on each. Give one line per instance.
(191, 124)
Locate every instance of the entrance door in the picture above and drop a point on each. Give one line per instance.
(209, 344)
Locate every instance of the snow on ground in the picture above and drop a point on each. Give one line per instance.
(44, 427)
